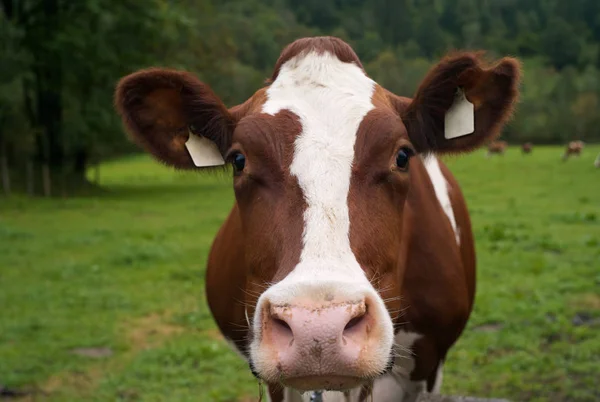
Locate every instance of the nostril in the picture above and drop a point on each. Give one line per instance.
(356, 321)
(353, 322)
(281, 332)
(277, 319)
(282, 325)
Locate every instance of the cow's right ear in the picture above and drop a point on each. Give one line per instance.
(160, 107)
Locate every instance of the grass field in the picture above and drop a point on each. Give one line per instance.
(102, 298)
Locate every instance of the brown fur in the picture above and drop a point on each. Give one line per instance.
(527, 148)
(399, 231)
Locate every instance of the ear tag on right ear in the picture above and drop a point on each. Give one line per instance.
(203, 151)
(460, 118)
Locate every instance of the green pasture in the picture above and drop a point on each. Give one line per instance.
(102, 297)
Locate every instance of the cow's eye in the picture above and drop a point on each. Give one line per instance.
(403, 157)
(238, 161)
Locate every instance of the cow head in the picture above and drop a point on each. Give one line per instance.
(321, 166)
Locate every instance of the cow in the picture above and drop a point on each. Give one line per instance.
(573, 148)
(346, 267)
(597, 161)
(527, 147)
(496, 147)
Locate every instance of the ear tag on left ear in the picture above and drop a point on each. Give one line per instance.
(460, 118)
(203, 151)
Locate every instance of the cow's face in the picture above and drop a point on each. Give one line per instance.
(321, 162)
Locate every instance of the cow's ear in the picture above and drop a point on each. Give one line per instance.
(161, 107)
(491, 90)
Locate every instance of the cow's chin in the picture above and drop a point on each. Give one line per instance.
(330, 375)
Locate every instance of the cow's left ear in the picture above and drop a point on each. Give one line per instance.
(160, 108)
(493, 92)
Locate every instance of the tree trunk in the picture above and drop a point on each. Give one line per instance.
(48, 71)
(47, 182)
(30, 177)
(63, 180)
(50, 118)
(37, 152)
(4, 168)
(81, 158)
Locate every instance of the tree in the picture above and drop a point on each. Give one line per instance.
(76, 51)
(561, 43)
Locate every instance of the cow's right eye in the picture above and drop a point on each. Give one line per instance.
(238, 161)
(402, 158)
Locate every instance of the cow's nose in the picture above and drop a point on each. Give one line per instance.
(335, 324)
(317, 343)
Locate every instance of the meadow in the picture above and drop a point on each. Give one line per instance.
(102, 296)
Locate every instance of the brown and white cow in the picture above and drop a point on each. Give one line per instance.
(496, 147)
(347, 262)
(573, 148)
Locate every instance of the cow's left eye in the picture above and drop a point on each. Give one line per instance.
(403, 157)
(239, 162)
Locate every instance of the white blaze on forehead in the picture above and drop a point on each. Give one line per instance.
(330, 98)
(440, 185)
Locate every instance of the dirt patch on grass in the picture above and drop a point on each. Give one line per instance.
(140, 334)
(150, 331)
(587, 301)
(94, 353)
(82, 381)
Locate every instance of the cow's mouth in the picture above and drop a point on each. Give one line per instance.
(325, 382)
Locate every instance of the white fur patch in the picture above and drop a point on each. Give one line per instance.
(330, 98)
(404, 363)
(440, 186)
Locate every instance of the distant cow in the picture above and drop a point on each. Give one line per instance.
(496, 147)
(573, 148)
(527, 148)
(347, 262)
